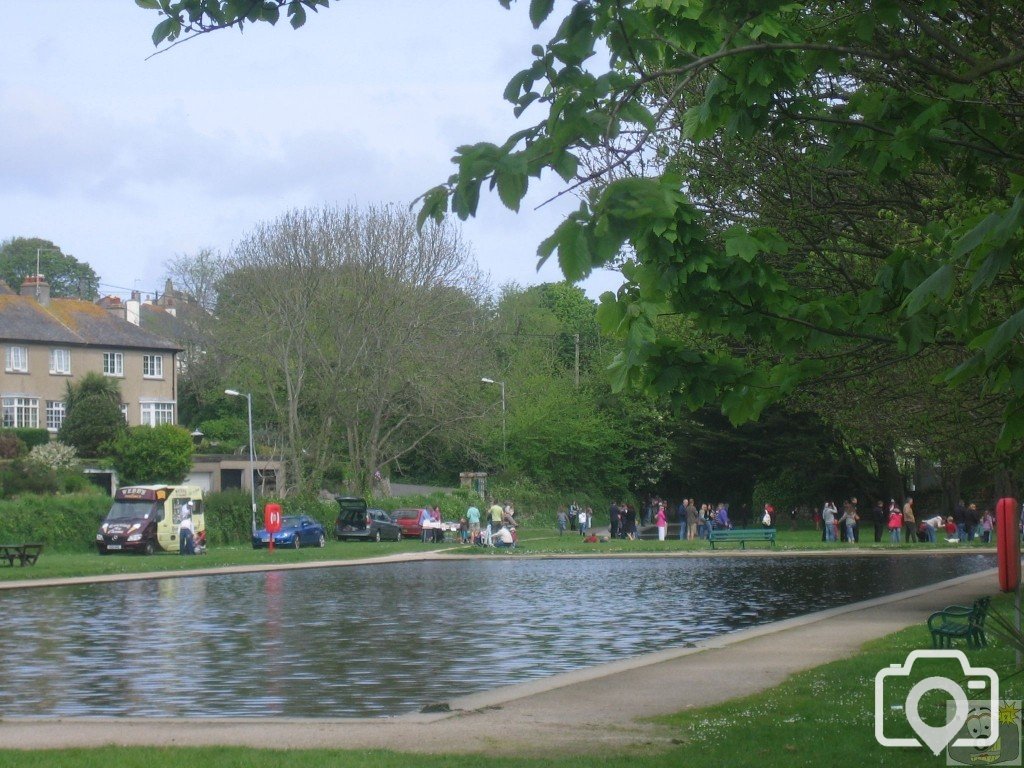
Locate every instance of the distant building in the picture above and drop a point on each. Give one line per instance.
(48, 342)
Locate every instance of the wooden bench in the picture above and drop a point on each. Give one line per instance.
(25, 554)
(742, 535)
(960, 622)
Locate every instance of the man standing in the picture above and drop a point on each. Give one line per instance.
(495, 513)
(909, 521)
(561, 520)
(473, 517)
(691, 519)
(185, 531)
(613, 520)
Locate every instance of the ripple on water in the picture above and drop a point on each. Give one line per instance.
(382, 640)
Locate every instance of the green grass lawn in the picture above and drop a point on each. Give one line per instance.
(532, 541)
(822, 717)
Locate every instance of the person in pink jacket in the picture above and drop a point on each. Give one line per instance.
(662, 523)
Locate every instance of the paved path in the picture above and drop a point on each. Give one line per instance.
(580, 711)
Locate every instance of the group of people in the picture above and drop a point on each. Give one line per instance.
(499, 530)
(574, 518)
(902, 524)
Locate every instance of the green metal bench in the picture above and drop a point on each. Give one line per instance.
(959, 622)
(742, 535)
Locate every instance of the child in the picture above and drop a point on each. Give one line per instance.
(951, 531)
(986, 526)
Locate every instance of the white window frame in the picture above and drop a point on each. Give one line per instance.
(60, 361)
(124, 412)
(155, 412)
(55, 413)
(16, 360)
(113, 364)
(20, 411)
(152, 366)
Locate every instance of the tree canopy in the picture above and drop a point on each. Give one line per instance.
(68, 277)
(806, 199)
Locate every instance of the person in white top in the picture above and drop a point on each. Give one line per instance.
(186, 531)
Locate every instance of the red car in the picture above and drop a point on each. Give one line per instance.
(409, 521)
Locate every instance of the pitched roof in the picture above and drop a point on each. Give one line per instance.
(71, 321)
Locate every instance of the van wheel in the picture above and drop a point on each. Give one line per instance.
(148, 549)
(104, 551)
(322, 542)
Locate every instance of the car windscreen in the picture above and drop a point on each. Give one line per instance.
(131, 510)
(406, 514)
(290, 522)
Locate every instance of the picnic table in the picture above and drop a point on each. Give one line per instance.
(25, 554)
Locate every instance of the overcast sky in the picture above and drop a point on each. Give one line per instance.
(126, 162)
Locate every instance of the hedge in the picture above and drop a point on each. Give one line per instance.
(65, 523)
(30, 437)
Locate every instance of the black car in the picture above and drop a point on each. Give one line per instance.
(355, 521)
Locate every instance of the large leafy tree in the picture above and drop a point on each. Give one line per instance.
(67, 276)
(798, 193)
(354, 330)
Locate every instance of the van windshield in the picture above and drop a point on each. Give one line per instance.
(131, 510)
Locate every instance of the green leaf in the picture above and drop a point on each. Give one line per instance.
(539, 11)
(939, 283)
(149, 5)
(1005, 333)
(296, 14)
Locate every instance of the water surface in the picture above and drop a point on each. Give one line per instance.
(384, 640)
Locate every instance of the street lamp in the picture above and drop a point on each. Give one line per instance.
(252, 452)
(504, 442)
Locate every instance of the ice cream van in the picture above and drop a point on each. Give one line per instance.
(145, 518)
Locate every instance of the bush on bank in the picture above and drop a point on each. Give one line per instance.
(65, 523)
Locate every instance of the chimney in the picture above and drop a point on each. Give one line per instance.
(36, 286)
(132, 308)
(114, 306)
(136, 296)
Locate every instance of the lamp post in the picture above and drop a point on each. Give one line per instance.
(504, 442)
(252, 451)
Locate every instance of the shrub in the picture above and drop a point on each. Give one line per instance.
(54, 455)
(11, 446)
(228, 517)
(161, 454)
(229, 429)
(92, 424)
(19, 477)
(63, 523)
(31, 437)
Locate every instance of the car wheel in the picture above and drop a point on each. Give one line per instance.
(376, 535)
(398, 536)
(148, 549)
(297, 543)
(323, 541)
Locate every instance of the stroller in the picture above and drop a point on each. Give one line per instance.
(199, 543)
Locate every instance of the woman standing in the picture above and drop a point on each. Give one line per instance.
(662, 523)
(895, 522)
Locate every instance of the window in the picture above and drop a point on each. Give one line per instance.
(153, 366)
(54, 414)
(21, 412)
(124, 411)
(17, 360)
(60, 362)
(113, 364)
(157, 413)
